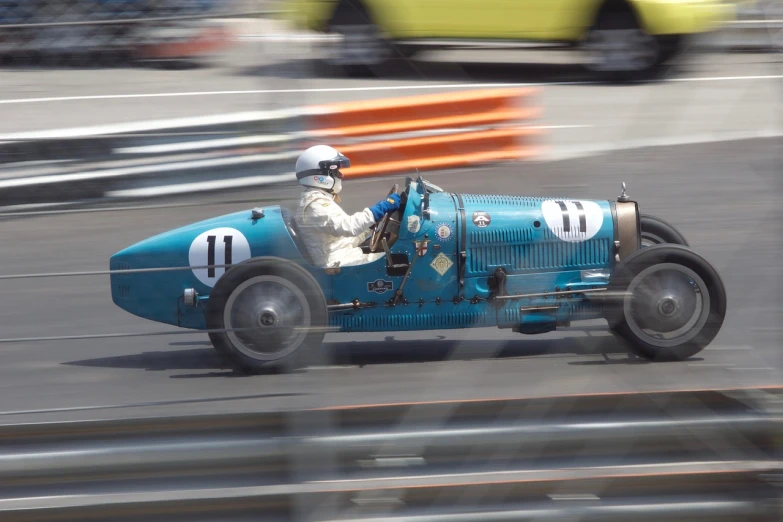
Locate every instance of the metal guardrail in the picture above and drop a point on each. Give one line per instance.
(200, 154)
(699, 455)
(147, 159)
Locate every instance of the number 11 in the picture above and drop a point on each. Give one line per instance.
(211, 253)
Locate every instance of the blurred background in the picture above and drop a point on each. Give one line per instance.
(126, 118)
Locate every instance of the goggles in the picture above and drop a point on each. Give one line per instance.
(333, 166)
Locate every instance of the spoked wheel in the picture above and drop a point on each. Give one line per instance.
(672, 304)
(656, 231)
(617, 48)
(273, 313)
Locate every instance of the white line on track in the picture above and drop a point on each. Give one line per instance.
(332, 367)
(139, 405)
(368, 89)
(730, 348)
(281, 91)
(710, 365)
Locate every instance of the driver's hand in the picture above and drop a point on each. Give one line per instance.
(393, 199)
(390, 204)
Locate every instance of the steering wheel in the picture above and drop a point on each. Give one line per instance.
(380, 229)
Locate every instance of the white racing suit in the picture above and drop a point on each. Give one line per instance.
(329, 234)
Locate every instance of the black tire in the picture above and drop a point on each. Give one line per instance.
(362, 51)
(617, 18)
(656, 231)
(304, 306)
(646, 313)
(671, 47)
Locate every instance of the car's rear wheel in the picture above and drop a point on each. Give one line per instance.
(671, 302)
(273, 314)
(358, 47)
(656, 231)
(617, 48)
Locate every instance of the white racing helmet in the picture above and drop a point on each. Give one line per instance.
(319, 166)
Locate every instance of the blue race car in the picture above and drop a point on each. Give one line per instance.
(529, 264)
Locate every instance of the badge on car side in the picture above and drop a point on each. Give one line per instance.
(443, 231)
(481, 219)
(441, 264)
(421, 246)
(379, 286)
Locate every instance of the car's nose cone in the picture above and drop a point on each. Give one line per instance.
(145, 280)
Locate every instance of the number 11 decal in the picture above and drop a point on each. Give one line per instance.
(217, 249)
(228, 240)
(567, 219)
(574, 221)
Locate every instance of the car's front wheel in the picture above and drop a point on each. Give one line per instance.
(668, 302)
(656, 231)
(271, 315)
(617, 48)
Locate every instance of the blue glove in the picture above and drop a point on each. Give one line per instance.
(391, 203)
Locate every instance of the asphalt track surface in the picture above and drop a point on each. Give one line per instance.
(724, 197)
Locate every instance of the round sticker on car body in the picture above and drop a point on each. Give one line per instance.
(443, 231)
(213, 249)
(482, 219)
(573, 220)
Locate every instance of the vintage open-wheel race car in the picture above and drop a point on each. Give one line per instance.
(530, 264)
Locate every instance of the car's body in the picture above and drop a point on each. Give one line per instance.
(454, 296)
(543, 20)
(458, 261)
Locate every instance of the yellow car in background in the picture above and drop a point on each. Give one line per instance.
(620, 38)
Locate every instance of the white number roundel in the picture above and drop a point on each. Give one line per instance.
(219, 246)
(573, 220)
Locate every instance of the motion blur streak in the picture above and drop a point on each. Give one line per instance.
(124, 119)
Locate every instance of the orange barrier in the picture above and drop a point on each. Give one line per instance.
(465, 128)
(436, 152)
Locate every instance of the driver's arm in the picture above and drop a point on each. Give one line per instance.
(362, 237)
(331, 217)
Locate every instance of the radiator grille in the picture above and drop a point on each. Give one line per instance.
(536, 256)
(500, 237)
(513, 201)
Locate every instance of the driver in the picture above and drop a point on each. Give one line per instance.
(331, 236)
